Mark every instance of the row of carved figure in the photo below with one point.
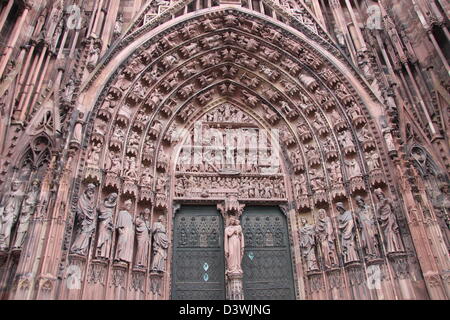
(335, 173)
(215, 158)
(248, 187)
(92, 220)
(318, 123)
(138, 63)
(373, 229)
(17, 208)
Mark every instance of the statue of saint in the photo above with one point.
(118, 25)
(234, 246)
(125, 240)
(9, 213)
(85, 220)
(308, 245)
(440, 198)
(388, 224)
(373, 161)
(28, 208)
(354, 170)
(365, 220)
(105, 226)
(142, 239)
(160, 246)
(69, 90)
(326, 237)
(347, 233)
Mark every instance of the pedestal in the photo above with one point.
(156, 280)
(235, 288)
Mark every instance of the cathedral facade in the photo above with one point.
(224, 149)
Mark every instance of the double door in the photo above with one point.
(199, 261)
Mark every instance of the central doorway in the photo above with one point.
(199, 259)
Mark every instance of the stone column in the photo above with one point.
(13, 38)
(359, 35)
(110, 22)
(5, 13)
(24, 107)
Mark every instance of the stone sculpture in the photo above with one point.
(160, 246)
(308, 245)
(142, 240)
(28, 208)
(347, 234)
(85, 220)
(125, 239)
(388, 223)
(106, 226)
(234, 246)
(367, 226)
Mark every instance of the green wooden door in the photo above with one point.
(198, 257)
(267, 263)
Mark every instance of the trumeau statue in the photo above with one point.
(325, 235)
(308, 245)
(347, 234)
(388, 223)
(125, 239)
(142, 239)
(28, 208)
(234, 246)
(367, 226)
(106, 226)
(160, 246)
(9, 213)
(85, 221)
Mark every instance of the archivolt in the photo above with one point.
(227, 53)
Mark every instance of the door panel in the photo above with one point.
(267, 263)
(198, 261)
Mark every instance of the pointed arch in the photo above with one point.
(168, 78)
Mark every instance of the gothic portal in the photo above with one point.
(261, 149)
